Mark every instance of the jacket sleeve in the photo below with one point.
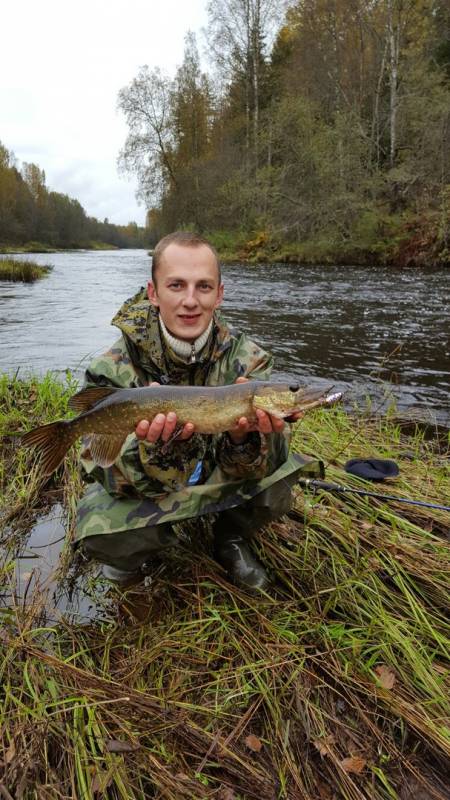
(260, 454)
(142, 468)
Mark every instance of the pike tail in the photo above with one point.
(51, 442)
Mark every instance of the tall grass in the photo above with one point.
(336, 685)
(22, 270)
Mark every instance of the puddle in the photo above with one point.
(39, 576)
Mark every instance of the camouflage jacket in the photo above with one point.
(145, 487)
(140, 356)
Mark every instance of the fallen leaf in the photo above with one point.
(100, 782)
(386, 676)
(117, 746)
(253, 743)
(353, 764)
(10, 753)
(324, 745)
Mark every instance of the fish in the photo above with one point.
(108, 415)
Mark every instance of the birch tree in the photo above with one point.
(149, 148)
(239, 33)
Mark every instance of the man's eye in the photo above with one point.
(174, 285)
(205, 286)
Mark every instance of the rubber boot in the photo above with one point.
(122, 577)
(233, 553)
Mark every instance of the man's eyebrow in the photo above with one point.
(169, 278)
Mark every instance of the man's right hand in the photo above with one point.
(163, 426)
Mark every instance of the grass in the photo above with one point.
(334, 686)
(28, 247)
(23, 270)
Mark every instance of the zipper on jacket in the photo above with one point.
(192, 358)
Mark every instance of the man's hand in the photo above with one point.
(163, 426)
(266, 423)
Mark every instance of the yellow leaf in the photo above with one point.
(386, 676)
(323, 745)
(10, 753)
(353, 764)
(253, 743)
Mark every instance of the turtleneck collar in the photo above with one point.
(188, 351)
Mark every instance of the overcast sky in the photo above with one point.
(62, 63)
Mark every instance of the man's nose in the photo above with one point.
(190, 297)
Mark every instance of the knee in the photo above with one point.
(128, 550)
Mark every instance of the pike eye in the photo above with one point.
(294, 387)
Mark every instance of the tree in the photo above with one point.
(149, 148)
(238, 32)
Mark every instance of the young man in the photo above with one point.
(172, 333)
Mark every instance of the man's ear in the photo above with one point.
(219, 296)
(152, 294)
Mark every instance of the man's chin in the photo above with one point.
(190, 330)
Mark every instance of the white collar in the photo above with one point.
(188, 351)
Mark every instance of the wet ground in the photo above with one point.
(39, 574)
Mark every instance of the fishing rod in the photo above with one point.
(315, 483)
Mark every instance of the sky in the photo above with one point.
(62, 63)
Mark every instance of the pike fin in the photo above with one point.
(88, 398)
(51, 442)
(105, 450)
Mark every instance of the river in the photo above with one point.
(380, 333)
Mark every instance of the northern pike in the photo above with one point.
(109, 415)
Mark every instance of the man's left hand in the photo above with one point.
(266, 423)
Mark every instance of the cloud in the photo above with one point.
(60, 84)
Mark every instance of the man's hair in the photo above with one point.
(184, 239)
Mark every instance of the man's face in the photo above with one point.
(186, 290)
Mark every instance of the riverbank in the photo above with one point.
(376, 240)
(334, 686)
(39, 247)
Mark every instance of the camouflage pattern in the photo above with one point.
(146, 487)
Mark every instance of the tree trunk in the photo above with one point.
(393, 38)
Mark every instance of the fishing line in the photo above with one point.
(358, 432)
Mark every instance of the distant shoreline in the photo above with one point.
(302, 254)
(40, 247)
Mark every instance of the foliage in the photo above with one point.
(31, 214)
(337, 115)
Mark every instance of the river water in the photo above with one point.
(377, 333)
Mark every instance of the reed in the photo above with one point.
(27, 271)
(336, 685)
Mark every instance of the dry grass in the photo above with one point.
(335, 686)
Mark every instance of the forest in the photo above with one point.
(318, 133)
(32, 215)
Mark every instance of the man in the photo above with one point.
(173, 333)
